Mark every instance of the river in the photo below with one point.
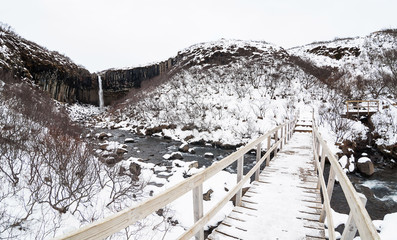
(380, 189)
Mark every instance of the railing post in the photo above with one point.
(347, 107)
(240, 163)
(330, 189)
(322, 164)
(323, 156)
(368, 108)
(315, 152)
(276, 140)
(198, 209)
(350, 230)
(258, 158)
(292, 128)
(281, 137)
(268, 147)
(286, 132)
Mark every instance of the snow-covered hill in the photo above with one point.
(226, 92)
(367, 64)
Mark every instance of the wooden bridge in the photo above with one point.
(289, 197)
(357, 108)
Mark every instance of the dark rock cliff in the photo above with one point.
(52, 71)
(62, 78)
(117, 82)
(337, 52)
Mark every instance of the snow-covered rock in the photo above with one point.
(365, 165)
(129, 140)
(184, 147)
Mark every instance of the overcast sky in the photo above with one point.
(102, 34)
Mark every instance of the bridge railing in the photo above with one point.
(118, 221)
(359, 218)
(362, 107)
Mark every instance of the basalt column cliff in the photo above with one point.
(117, 82)
(64, 80)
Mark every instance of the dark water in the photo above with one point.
(152, 149)
(380, 189)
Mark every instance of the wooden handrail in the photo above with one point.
(359, 216)
(118, 221)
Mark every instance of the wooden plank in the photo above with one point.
(313, 224)
(246, 211)
(217, 235)
(230, 230)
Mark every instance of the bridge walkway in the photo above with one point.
(284, 203)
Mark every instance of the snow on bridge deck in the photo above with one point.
(284, 204)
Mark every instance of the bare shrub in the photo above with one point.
(331, 114)
(43, 160)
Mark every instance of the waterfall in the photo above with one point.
(100, 93)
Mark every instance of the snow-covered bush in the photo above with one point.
(385, 124)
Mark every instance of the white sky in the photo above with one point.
(101, 34)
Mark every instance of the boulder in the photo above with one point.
(176, 155)
(193, 164)
(192, 151)
(208, 155)
(121, 150)
(129, 140)
(184, 147)
(102, 136)
(110, 160)
(188, 138)
(207, 195)
(135, 169)
(365, 166)
(103, 146)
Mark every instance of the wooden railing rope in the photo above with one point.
(359, 218)
(118, 221)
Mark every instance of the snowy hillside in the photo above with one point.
(231, 92)
(367, 64)
(228, 92)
